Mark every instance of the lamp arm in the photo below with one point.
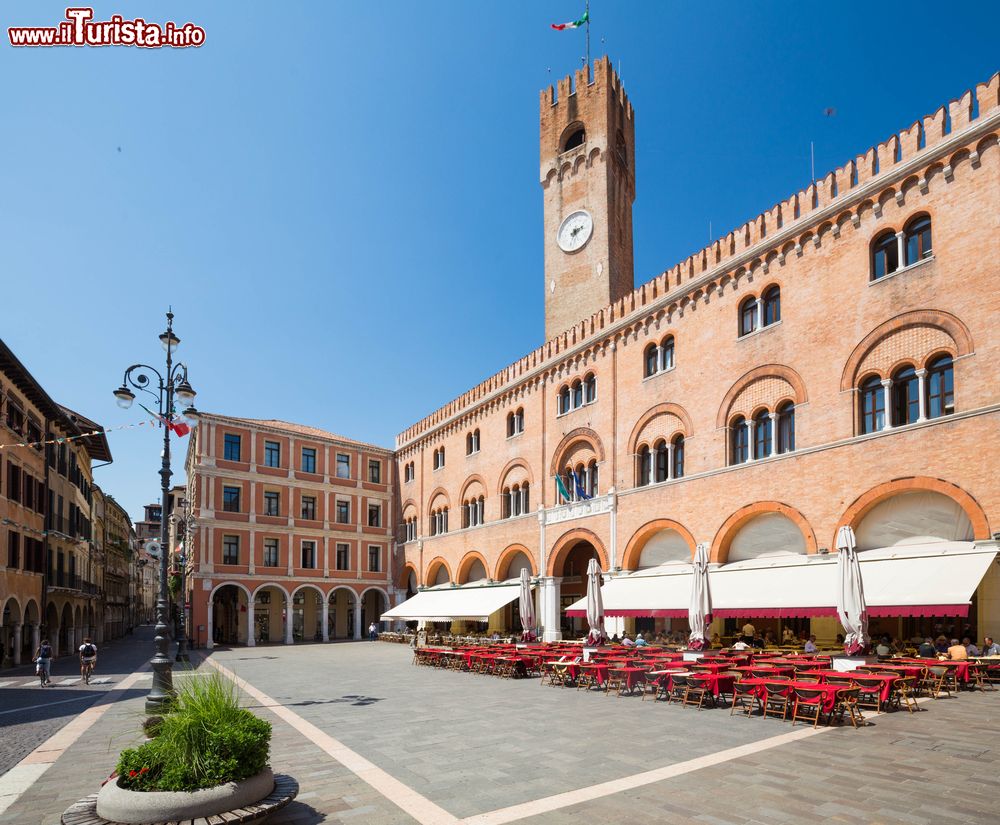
(141, 381)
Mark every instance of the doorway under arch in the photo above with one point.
(270, 614)
(341, 621)
(307, 614)
(229, 609)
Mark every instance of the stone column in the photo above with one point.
(772, 418)
(759, 313)
(251, 623)
(326, 613)
(357, 618)
(749, 426)
(36, 637)
(17, 643)
(921, 395)
(551, 631)
(70, 641)
(887, 402)
(670, 461)
(209, 625)
(901, 249)
(289, 622)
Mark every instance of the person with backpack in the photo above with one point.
(43, 662)
(88, 658)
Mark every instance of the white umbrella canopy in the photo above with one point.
(595, 605)
(851, 607)
(526, 607)
(700, 608)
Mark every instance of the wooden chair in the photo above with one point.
(678, 687)
(698, 689)
(978, 675)
(779, 696)
(808, 705)
(903, 694)
(745, 696)
(615, 681)
(869, 692)
(936, 681)
(847, 703)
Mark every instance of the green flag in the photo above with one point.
(562, 488)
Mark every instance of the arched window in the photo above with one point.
(525, 501)
(667, 353)
(660, 448)
(651, 355)
(590, 389)
(786, 427)
(748, 315)
(772, 305)
(576, 138)
(917, 239)
(515, 422)
(905, 397)
(577, 393)
(740, 449)
(564, 399)
(885, 255)
(645, 466)
(505, 503)
(940, 387)
(761, 435)
(678, 457)
(591, 482)
(872, 405)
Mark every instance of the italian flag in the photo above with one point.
(559, 27)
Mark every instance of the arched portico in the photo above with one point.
(10, 633)
(512, 559)
(662, 531)
(374, 602)
(731, 528)
(228, 604)
(308, 621)
(343, 614)
(271, 615)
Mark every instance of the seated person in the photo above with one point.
(970, 647)
(927, 649)
(758, 643)
(716, 642)
(787, 636)
(990, 648)
(627, 642)
(941, 644)
(811, 645)
(770, 639)
(882, 649)
(957, 651)
(615, 640)
(639, 641)
(740, 645)
(840, 639)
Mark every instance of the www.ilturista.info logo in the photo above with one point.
(80, 29)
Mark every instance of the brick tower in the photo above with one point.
(588, 183)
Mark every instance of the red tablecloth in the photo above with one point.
(633, 676)
(599, 670)
(884, 691)
(710, 667)
(769, 670)
(910, 671)
(961, 667)
(829, 700)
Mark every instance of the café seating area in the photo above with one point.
(797, 688)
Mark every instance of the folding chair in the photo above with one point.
(678, 687)
(870, 692)
(808, 705)
(698, 688)
(778, 697)
(978, 674)
(902, 694)
(847, 702)
(745, 696)
(936, 681)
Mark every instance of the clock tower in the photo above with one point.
(588, 185)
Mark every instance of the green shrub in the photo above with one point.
(204, 739)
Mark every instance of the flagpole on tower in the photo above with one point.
(588, 38)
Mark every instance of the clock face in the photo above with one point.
(575, 231)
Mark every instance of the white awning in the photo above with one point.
(934, 579)
(444, 603)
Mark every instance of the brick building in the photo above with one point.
(294, 532)
(831, 362)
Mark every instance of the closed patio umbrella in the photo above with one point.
(595, 604)
(851, 607)
(526, 607)
(700, 608)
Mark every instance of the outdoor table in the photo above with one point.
(769, 669)
(710, 667)
(716, 682)
(634, 676)
(887, 681)
(909, 671)
(599, 671)
(829, 700)
(961, 667)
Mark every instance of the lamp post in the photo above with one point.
(184, 524)
(173, 382)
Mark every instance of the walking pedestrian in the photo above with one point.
(373, 632)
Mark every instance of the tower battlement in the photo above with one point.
(580, 83)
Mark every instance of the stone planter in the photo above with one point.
(117, 804)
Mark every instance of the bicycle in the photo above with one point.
(86, 669)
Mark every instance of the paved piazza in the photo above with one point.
(373, 739)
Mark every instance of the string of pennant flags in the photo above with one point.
(174, 425)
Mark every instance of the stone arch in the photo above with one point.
(349, 590)
(570, 440)
(438, 498)
(465, 565)
(859, 508)
(503, 563)
(724, 537)
(404, 575)
(432, 568)
(667, 408)
(633, 550)
(407, 504)
(31, 612)
(567, 541)
(16, 613)
(238, 585)
(275, 585)
(309, 586)
(509, 467)
(936, 319)
(475, 478)
(787, 374)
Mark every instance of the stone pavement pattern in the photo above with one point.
(473, 744)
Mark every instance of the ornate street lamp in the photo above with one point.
(173, 382)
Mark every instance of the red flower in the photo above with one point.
(132, 774)
(143, 770)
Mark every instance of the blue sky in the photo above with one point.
(341, 200)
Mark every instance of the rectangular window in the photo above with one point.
(308, 555)
(13, 482)
(272, 454)
(374, 557)
(309, 508)
(272, 503)
(308, 459)
(343, 556)
(14, 550)
(343, 512)
(374, 515)
(231, 499)
(343, 466)
(231, 447)
(270, 552)
(375, 472)
(230, 549)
